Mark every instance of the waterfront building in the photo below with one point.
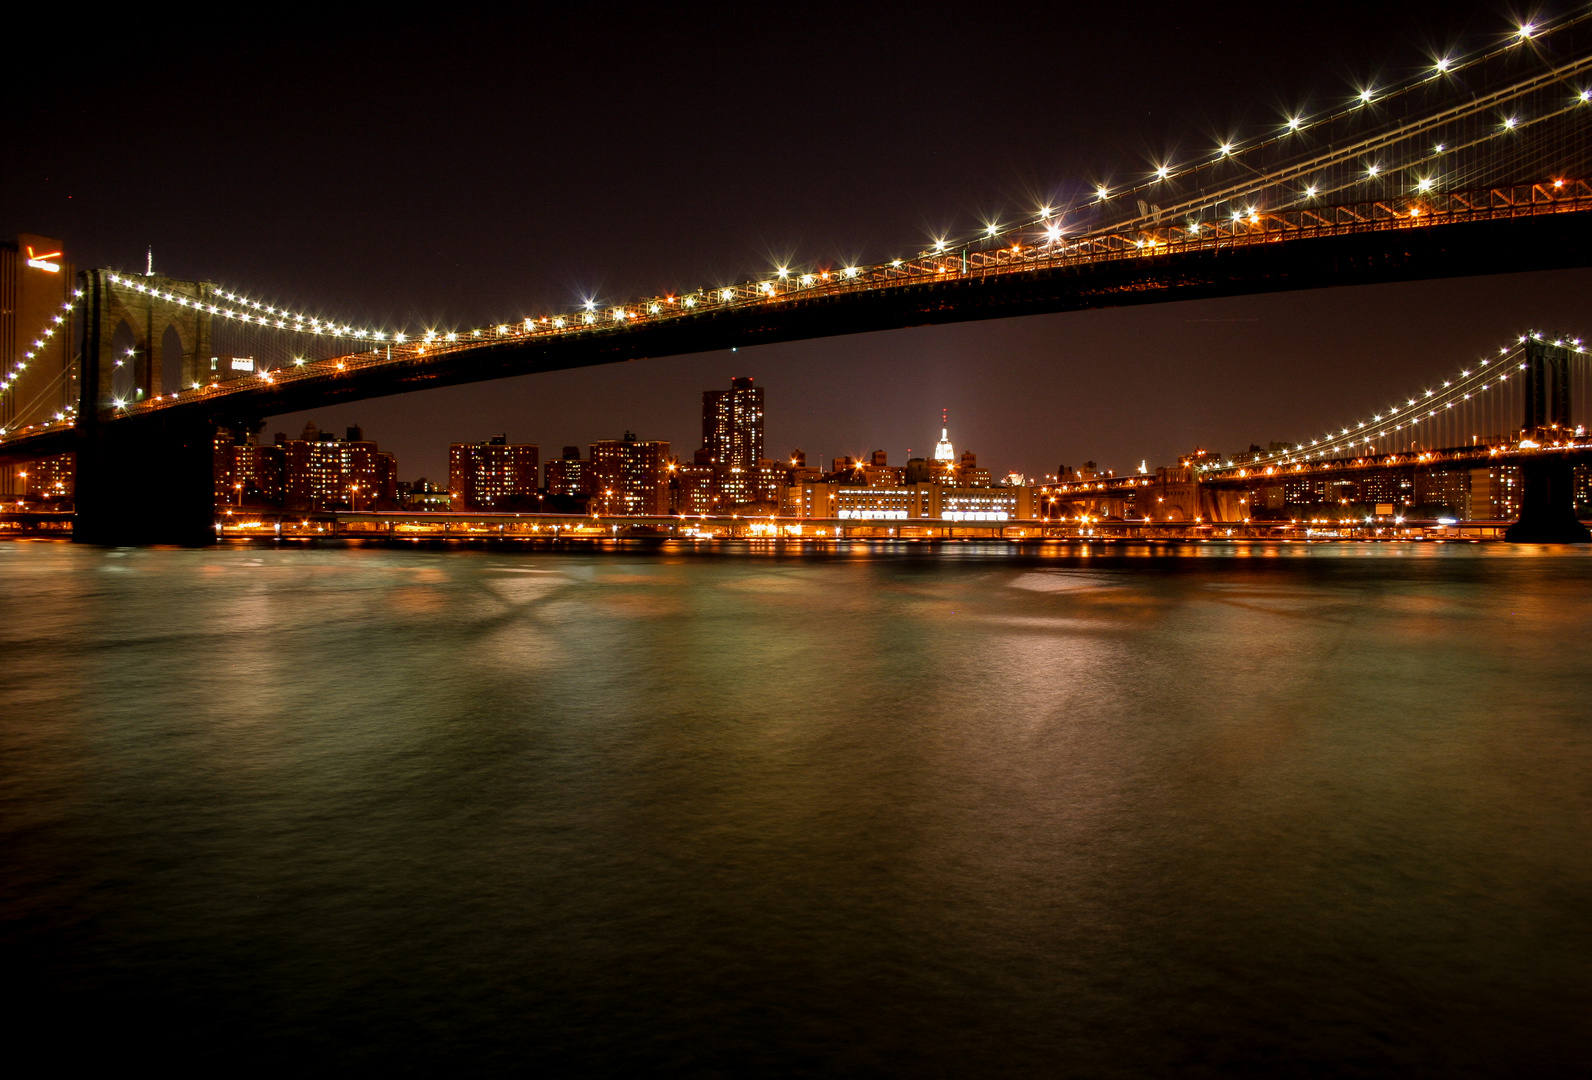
(732, 425)
(329, 473)
(692, 486)
(934, 502)
(630, 476)
(493, 475)
(568, 474)
(422, 494)
(812, 499)
(44, 478)
(986, 504)
(1494, 494)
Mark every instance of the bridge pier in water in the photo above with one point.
(1547, 504)
(143, 479)
(146, 483)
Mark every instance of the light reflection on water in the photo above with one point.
(946, 811)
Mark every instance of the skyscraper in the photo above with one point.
(732, 425)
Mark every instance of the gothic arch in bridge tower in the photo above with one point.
(123, 378)
(174, 361)
(160, 363)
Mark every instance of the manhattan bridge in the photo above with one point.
(1478, 163)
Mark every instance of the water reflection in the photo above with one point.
(1107, 810)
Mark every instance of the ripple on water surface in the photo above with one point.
(930, 811)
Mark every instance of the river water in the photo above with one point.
(1208, 809)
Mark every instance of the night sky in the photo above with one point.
(457, 169)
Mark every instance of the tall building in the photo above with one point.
(493, 475)
(630, 476)
(37, 336)
(567, 475)
(732, 425)
(329, 472)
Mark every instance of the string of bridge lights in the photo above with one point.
(1490, 374)
(55, 323)
(1296, 125)
(249, 311)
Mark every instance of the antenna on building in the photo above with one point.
(149, 261)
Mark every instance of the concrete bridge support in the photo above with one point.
(140, 480)
(1547, 506)
(146, 483)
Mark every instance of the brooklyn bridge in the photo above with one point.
(1478, 165)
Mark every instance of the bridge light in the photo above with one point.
(1425, 184)
(1586, 95)
(1053, 233)
(1163, 171)
(727, 294)
(1365, 96)
(1102, 193)
(1509, 123)
(895, 262)
(1225, 149)
(1443, 65)
(1373, 170)
(1526, 30)
(1294, 122)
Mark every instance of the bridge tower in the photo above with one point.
(1547, 507)
(144, 479)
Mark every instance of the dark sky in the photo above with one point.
(460, 167)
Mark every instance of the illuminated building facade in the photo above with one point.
(812, 499)
(692, 486)
(933, 502)
(629, 476)
(732, 425)
(36, 284)
(493, 475)
(568, 474)
(329, 472)
(1494, 494)
(44, 478)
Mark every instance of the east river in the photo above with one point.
(1188, 810)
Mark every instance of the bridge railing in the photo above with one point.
(1417, 211)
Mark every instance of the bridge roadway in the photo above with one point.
(1541, 226)
(123, 453)
(1547, 509)
(1575, 451)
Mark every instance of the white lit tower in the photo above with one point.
(944, 456)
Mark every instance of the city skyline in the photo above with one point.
(518, 230)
